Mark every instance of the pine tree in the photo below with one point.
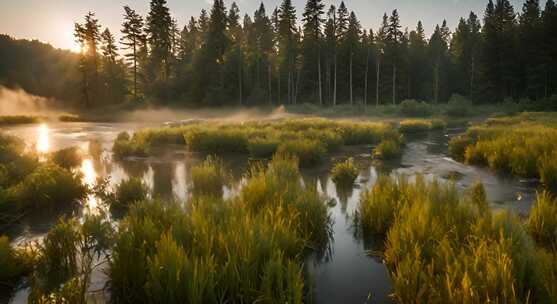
(159, 37)
(132, 38)
(352, 42)
(549, 18)
(311, 69)
(380, 45)
(113, 71)
(88, 36)
(417, 50)
(530, 52)
(438, 52)
(234, 56)
(393, 43)
(287, 45)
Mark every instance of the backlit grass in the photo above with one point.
(345, 173)
(443, 246)
(67, 158)
(247, 249)
(308, 139)
(208, 178)
(522, 145)
(18, 120)
(388, 149)
(417, 126)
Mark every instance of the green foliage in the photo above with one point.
(308, 139)
(413, 108)
(208, 178)
(18, 120)
(441, 246)
(14, 263)
(345, 173)
(459, 106)
(67, 158)
(247, 249)
(50, 186)
(416, 126)
(542, 222)
(521, 145)
(388, 149)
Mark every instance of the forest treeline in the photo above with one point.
(326, 58)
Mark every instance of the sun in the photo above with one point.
(70, 42)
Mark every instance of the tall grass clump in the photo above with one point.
(249, 248)
(345, 173)
(388, 149)
(309, 139)
(417, 126)
(209, 177)
(18, 120)
(14, 262)
(413, 108)
(67, 158)
(124, 194)
(442, 246)
(542, 222)
(522, 145)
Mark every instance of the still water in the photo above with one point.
(348, 274)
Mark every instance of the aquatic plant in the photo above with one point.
(246, 249)
(209, 177)
(67, 158)
(345, 173)
(521, 145)
(217, 141)
(50, 186)
(444, 246)
(308, 152)
(416, 126)
(125, 146)
(542, 222)
(388, 149)
(262, 147)
(413, 108)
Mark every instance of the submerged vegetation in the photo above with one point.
(446, 247)
(307, 139)
(345, 173)
(522, 145)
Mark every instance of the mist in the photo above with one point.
(19, 102)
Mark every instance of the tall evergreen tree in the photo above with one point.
(531, 55)
(159, 37)
(132, 39)
(331, 54)
(88, 36)
(549, 19)
(287, 46)
(313, 21)
(393, 50)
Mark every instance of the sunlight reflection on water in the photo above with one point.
(89, 179)
(43, 140)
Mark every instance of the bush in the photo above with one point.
(125, 146)
(387, 150)
(413, 108)
(458, 146)
(208, 178)
(308, 152)
(14, 263)
(414, 126)
(50, 186)
(542, 222)
(345, 173)
(547, 166)
(459, 106)
(67, 158)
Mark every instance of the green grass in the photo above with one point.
(209, 178)
(309, 139)
(67, 158)
(388, 149)
(443, 246)
(247, 249)
(345, 173)
(542, 222)
(522, 145)
(417, 126)
(18, 120)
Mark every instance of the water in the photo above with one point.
(349, 274)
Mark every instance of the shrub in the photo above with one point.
(67, 158)
(345, 173)
(542, 222)
(18, 119)
(414, 126)
(308, 152)
(125, 146)
(262, 147)
(14, 263)
(387, 150)
(413, 108)
(131, 191)
(50, 186)
(459, 106)
(217, 141)
(458, 146)
(547, 167)
(208, 178)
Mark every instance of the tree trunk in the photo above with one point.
(377, 85)
(436, 83)
(240, 76)
(134, 70)
(351, 88)
(366, 78)
(335, 81)
(270, 84)
(472, 74)
(319, 76)
(394, 84)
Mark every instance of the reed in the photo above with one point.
(345, 173)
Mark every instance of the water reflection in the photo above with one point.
(43, 140)
(89, 178)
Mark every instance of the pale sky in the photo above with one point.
(52, 20)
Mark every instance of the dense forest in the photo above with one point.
(326, 58)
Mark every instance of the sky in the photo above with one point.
(53, 21)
